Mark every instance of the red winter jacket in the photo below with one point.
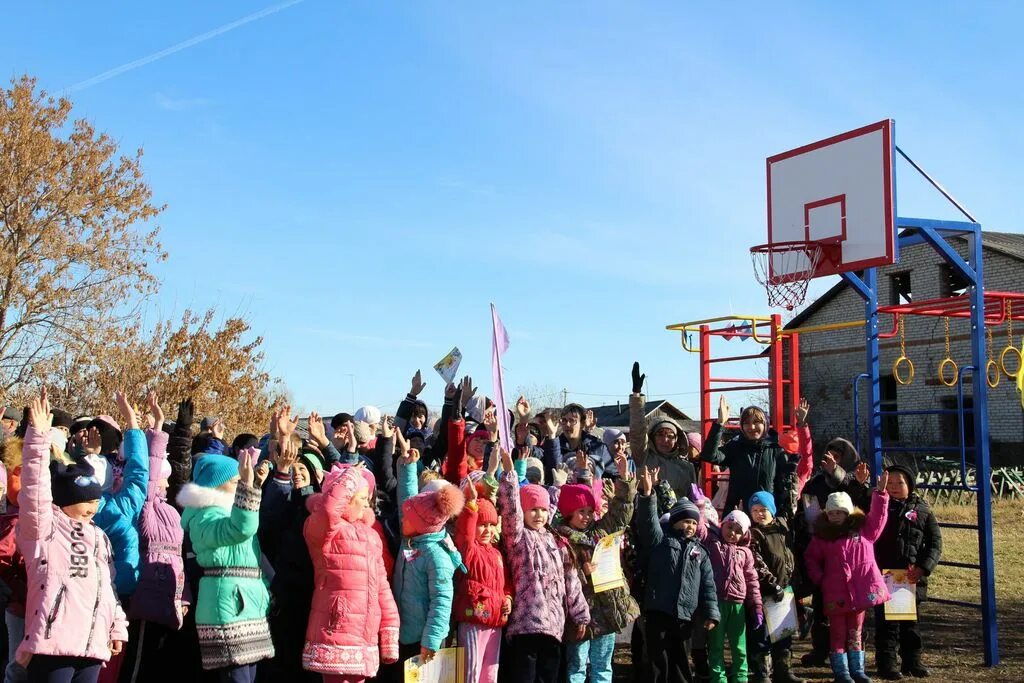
(480, 592)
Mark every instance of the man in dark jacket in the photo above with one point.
(574, 439)
(911, 540)
(662, 444)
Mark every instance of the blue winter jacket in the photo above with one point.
(118, 513)
(423, 581)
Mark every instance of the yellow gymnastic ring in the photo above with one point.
(1002, 361)
(942, 372)
(896, 370)
(989, 368)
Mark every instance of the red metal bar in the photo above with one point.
(752, 356)
(741, 387)
(705, 402)
(775, 373)
(794, 378)
(737, 380)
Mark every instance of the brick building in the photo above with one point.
(830, 360)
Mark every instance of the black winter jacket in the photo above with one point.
(753, 466)
(911, 537)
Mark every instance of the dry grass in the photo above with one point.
(952, 634)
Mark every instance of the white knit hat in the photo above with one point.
(839, 501)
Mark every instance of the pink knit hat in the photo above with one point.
(534, 496)
(430, 510)
(573, 497)
(695, 440)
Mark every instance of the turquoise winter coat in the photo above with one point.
(231, 613)
(424, 578)
(118, 513)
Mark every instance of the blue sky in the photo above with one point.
(361, 179)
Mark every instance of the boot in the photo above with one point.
(815, 658)
(840, 667)
(701, 671)
(856, 661)
(885, 662)
(782, 670)
(912, 665)
(758, 668)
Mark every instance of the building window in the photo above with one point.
(899, 288)
(951, 425)
(890, 423)
(951, 283)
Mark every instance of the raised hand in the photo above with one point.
(645, 481)
(261, 474)
(801, 412)
(560, 475)
(638, 379)
(219, 428)
(828, 462)
(550, 425)
(589, 421)
(93, 441)
(39, 415)
(387, 427)
(316, 428)
(286, 454)
(522, 408)
(491, 422)
(245, 470)
(622, 465)
(523, 452)
(127, 412)
(883, 481)
(401, 447)
(418, 385)
(468, 390)
(186, 411)
(862, 473)
(723, 410)
(449, 391)
(471, 490)
(153, 405)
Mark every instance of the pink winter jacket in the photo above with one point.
(353, 621)
(842, 559)
(71, 609)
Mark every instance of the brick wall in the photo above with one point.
(830, 360)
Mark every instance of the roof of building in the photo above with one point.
(1007, 243)
(617, 415)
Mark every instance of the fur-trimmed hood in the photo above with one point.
(196, 496)
(12, 452)
(827, 531)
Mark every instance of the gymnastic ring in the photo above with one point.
(1002, 361)
(942, 372)
(989, 367)
(905, 381)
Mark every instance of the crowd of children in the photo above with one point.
(140, 552)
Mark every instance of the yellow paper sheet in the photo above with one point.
(606, 573)
(903, 604)
(447, 666)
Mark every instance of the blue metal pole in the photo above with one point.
(981, 454)
(873, 370)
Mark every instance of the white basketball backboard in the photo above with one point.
(841, 191)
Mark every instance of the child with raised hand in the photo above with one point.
(548, 594)
(613, 610)
(679, 584)
(910, 540)
(425, 572)
(738, 593)
(221, 517)
(841, 560)
(353, 623)
(73, 621)
(483, 595)
(772, 543)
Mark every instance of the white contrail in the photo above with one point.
(202, 38)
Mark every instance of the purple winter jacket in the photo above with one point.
(162, 590)
(733, 566)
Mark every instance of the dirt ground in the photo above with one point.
(952, 635)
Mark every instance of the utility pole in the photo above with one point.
(565, 397)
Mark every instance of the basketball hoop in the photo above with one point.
(785, 269)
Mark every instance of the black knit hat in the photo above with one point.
(906, 466)
(75, 483)
(340, 419)
(62, 418)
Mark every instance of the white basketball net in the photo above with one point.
(785, 269)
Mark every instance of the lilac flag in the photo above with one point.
(499, 345)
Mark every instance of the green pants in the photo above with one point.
(734, 626)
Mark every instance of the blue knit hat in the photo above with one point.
(212, 470)
(762, 498)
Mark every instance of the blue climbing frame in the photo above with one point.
(934, 233)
